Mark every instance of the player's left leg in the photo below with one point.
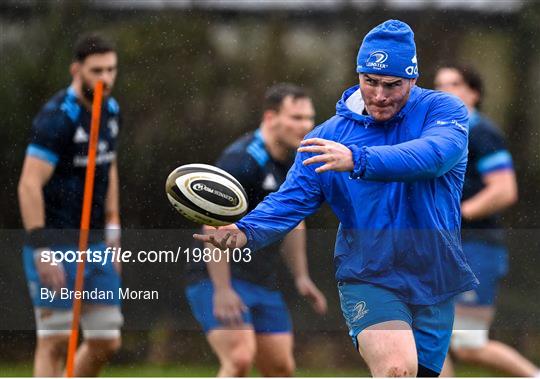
(101, 329)
(101, 322)
(273, 328)
(275, 354)
(475, 311)
(501, 357)
(388, 349)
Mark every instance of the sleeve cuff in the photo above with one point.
(246, 230)
(359, 160)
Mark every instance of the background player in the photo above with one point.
(391, 165)
(50, 198)
(241, 309)
(490, 187)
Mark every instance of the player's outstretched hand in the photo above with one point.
(335, 156)
(228, 307)
(223, 237)
(309, 290)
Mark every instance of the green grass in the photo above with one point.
(179, 370)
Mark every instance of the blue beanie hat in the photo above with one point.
(389, 49)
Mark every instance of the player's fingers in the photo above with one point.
(320, 303)
(231, 243)
(236, 315)
(318, 159)
(222, 240)
(202, 237)
(312, 149)
(324, 168)
(314, 141)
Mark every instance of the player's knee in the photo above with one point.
(240, 361)
(283, 368)
(52, 347)
(104, 348)
(467, 354)
(399, 368)
(287, 369)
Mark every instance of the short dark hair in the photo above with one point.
(91, 43)
(274, 96)
(471, 77)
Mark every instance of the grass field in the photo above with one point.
(169, 370)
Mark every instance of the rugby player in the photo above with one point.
(490, 187)
(50, 197)
(391, 164)
(240, 307)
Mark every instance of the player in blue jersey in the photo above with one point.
(240, 307)
(391, 164)
(50, 198)
(490, 188)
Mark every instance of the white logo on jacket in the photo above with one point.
(360, 310)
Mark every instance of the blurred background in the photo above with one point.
(191, 80)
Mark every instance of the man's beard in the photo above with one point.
(88, 91)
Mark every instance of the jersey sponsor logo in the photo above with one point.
(360, 310)
(80, 135)
(101, 158)
(376, 60)
(270, 183)
(412, 70)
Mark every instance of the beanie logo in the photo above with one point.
(376, 60)
(412, 70)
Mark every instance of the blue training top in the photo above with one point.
(487, 154)
(399, 210)
(60, 135)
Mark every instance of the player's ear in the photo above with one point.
(269, 116)
(74, 68)
(475, 98)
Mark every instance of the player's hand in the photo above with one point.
(335, 156)
(309, 290)
(228, 307)
(51, 276)
(223, 237)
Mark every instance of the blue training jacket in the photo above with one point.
(399, 210)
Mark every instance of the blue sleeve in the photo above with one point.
(49, 135)
(490, 149)
(442, 144)
(297, 198)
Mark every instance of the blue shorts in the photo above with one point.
(364, 305)
(267, 311)
(97, 278)
(489, 263)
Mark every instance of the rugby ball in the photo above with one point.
(206, 194)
